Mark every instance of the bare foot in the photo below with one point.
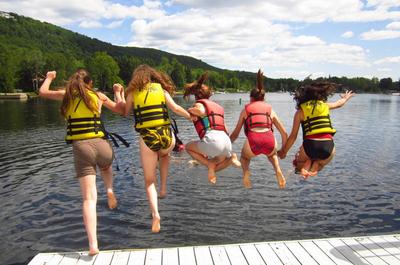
(156, 226)
(112, 201)
(281, 180)
(212, 178)
(246, 180)
(235, 160)
(163, 194)
(93, 249)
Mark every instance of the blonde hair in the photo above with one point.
(144, 74)
(78, 85)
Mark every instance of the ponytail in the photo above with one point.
(197, 88)
(258, 93)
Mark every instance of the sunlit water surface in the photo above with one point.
(357, 194)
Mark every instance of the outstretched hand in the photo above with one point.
(347, 94)
(51, 75)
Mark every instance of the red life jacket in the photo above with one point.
(214, 119)
(258, 116)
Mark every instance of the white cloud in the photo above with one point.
(393, 25)
(388, 60)
(78, 12)
(115, 24)
(380, 34)
(240, 42)
(348, 34)
(90, 24)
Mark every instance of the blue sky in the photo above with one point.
(285, 38)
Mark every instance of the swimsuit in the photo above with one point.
(157, 138)
(261, 142)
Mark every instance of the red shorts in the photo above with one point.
(261, 142)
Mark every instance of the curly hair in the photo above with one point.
(78, 85)
(144, 74)
(198, 89)
(313, 91)
(258, 93)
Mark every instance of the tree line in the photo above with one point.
(29, 48)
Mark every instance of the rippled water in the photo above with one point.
(357, 194)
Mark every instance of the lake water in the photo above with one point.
(357, 194)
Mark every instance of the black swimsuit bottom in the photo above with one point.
(318, 150)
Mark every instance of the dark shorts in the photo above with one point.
(157, 138)
(90, 153)
(318, 149)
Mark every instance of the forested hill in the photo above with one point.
(28, 48)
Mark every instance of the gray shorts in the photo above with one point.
(215, 143)
(91, 153)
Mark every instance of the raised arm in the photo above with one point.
(293, 134)
(343, 99)
(175, 107)
(234, 135)
(45, 91)
(278, 124)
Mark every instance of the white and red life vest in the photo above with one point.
(258, 116)
(214, 119)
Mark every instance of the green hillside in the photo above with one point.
(29, 48)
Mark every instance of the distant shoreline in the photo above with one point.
(20, 96)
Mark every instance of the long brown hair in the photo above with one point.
(144, 74)
(78, 85)
(313, 91)
(198, 88)
(258, 93)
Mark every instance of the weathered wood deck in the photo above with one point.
(374, 250)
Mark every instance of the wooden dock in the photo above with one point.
(368, 250)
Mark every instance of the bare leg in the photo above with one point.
(245, 158)
(164, 157)
(149, 163)
(107, 174)
(278, 172)
(89, 196)
(195, 153)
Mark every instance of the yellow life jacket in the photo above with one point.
(83, 123)
(150, 108)
(316, 118)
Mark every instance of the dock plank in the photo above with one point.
(120, 257)
(103, 258)
(316, 253)
(235, 255)
(186, 256)
(251, 254)
(137, 257)
(219, 255)
(332, 252)
(203, 255)
(363, 252)
(300, 253)
(366, 250)
(268, 254)
(170, 256)
(154, 256)
(378, 251)
(41, 259)
(284, 253)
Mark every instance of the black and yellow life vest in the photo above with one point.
(83, 123)
(316, 118)
(150, 108)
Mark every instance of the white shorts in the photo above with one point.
(215, 143)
